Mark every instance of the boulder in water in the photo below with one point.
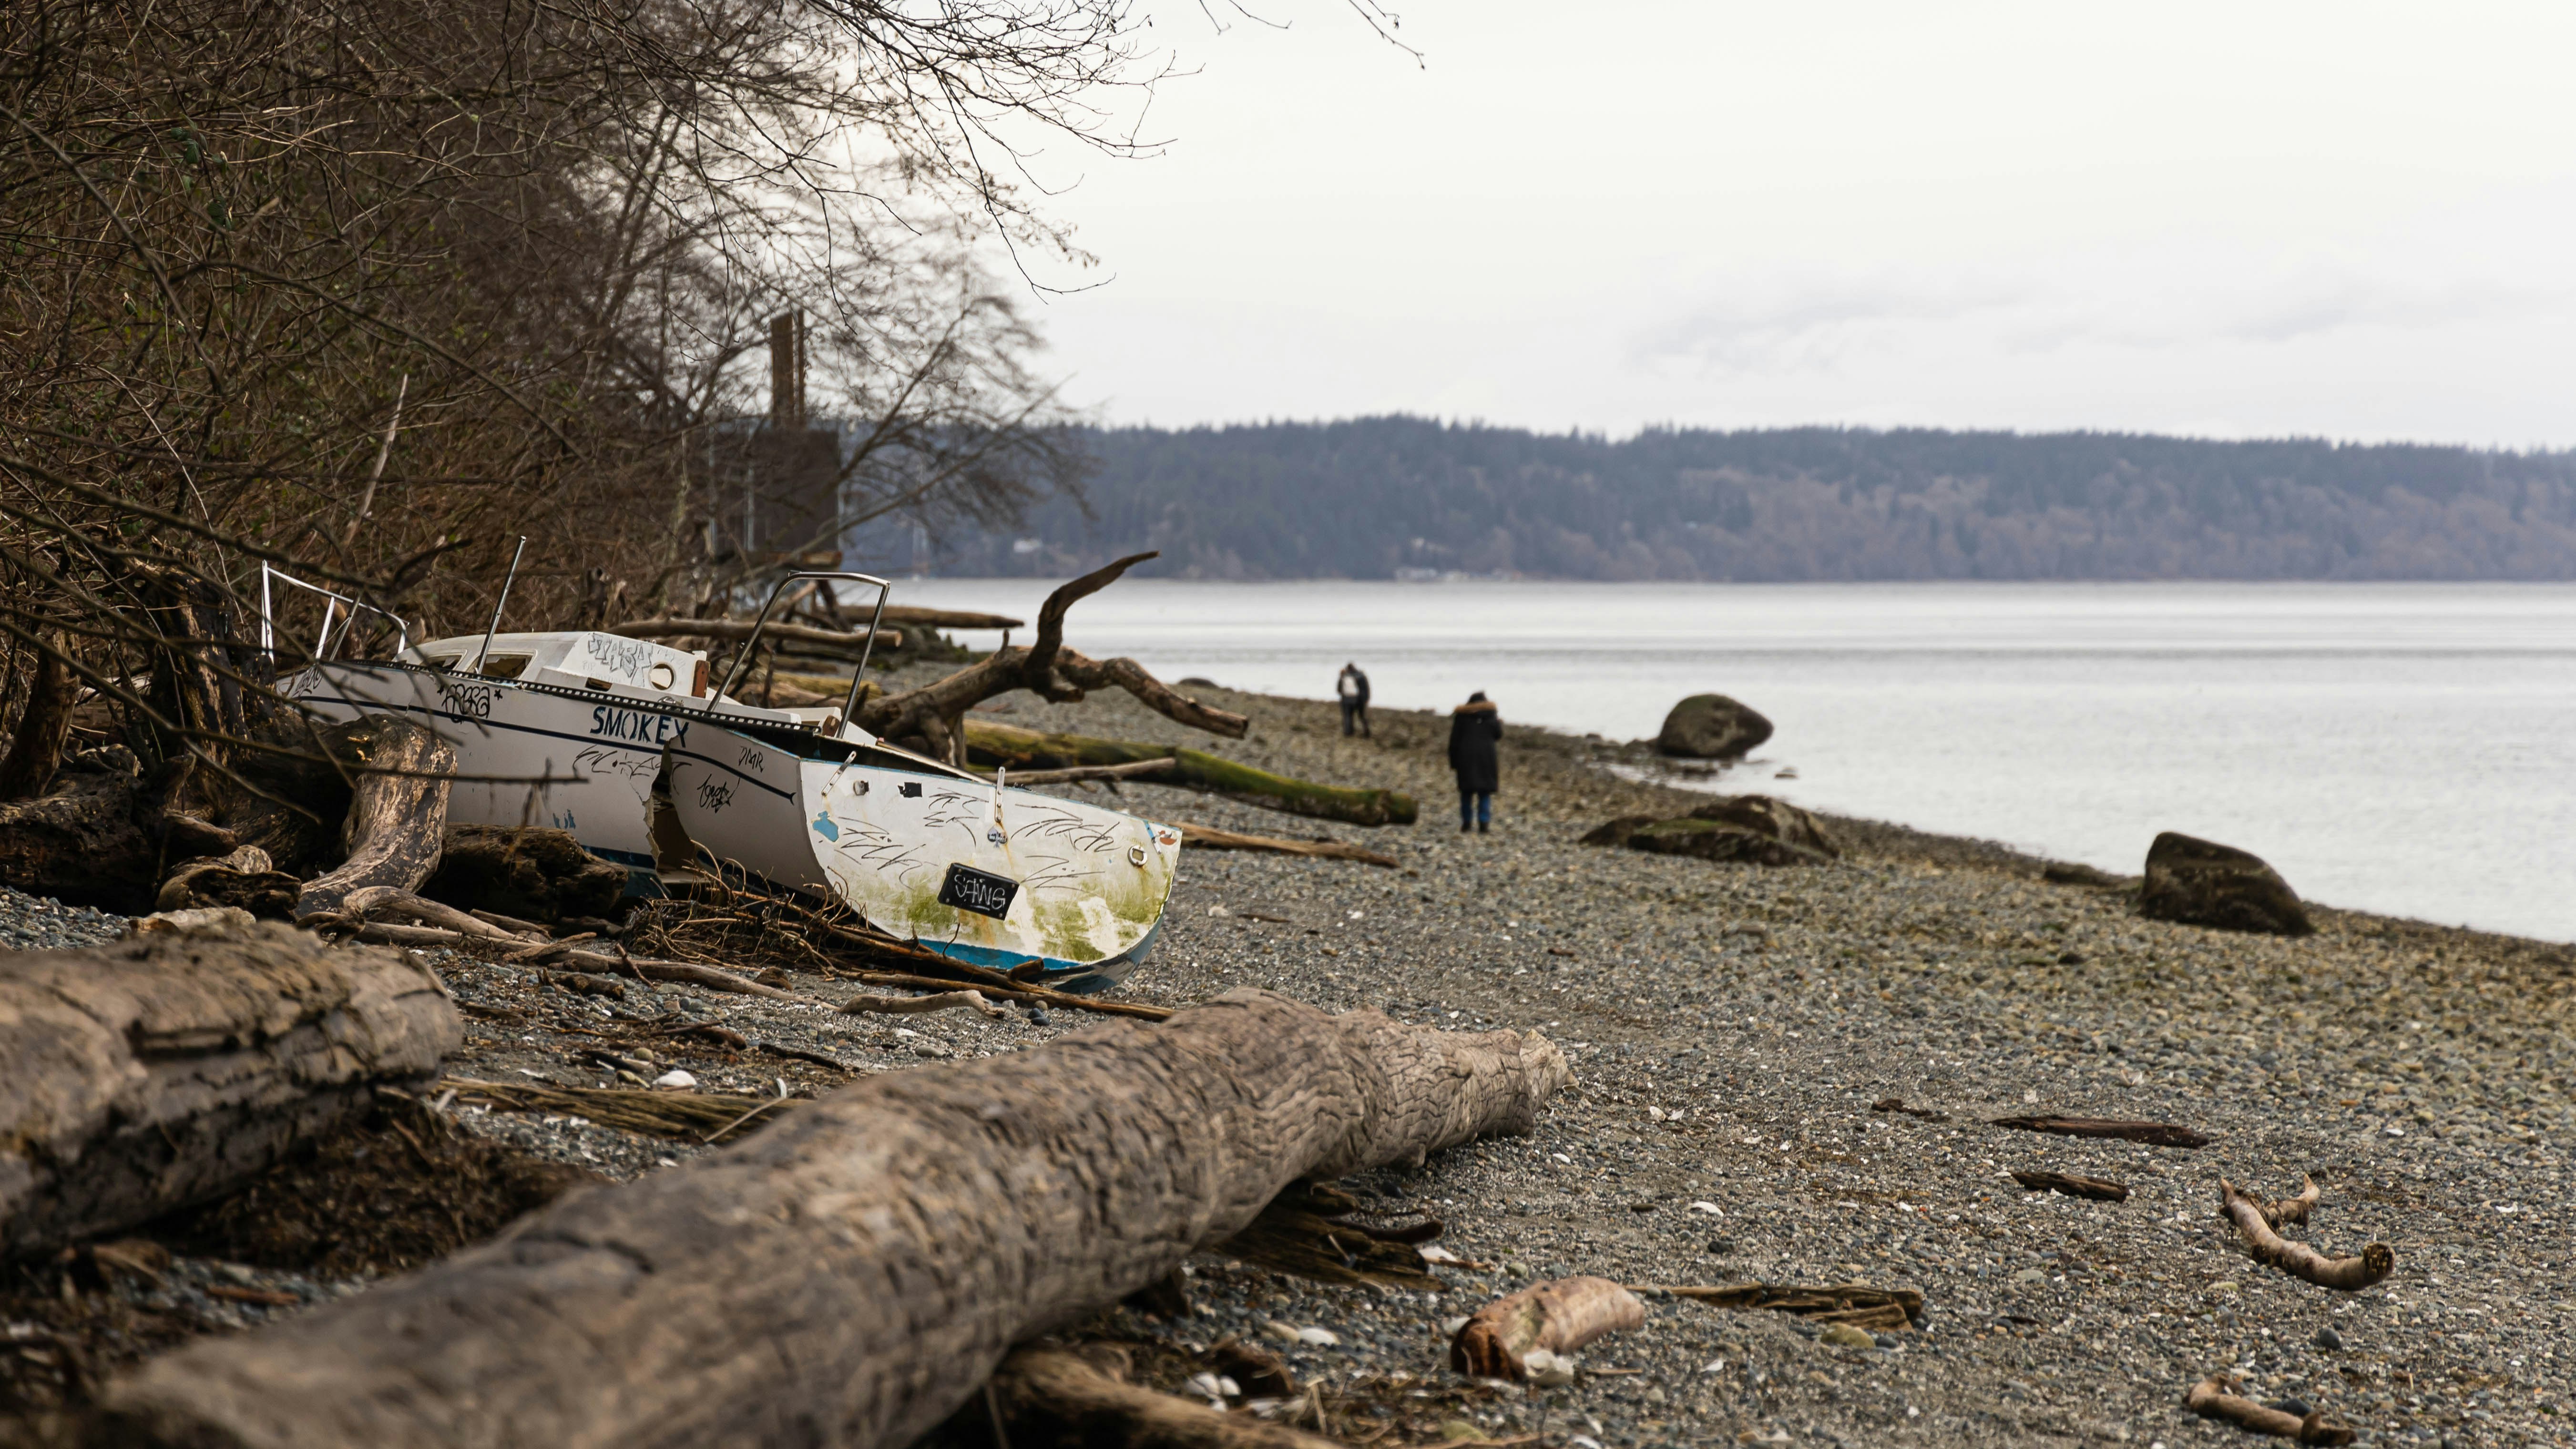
(2203, 883)
(1763, 815)
(1711, 727)
(1711, 840)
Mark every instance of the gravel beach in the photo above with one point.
(1732, 1028)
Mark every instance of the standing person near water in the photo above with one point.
(1475, 733)
(1352, 686)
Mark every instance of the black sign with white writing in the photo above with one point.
(982, 892)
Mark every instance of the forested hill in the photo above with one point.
(1373, 497)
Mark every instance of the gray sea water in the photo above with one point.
(2407, 749)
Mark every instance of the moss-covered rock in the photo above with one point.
(1713, 840)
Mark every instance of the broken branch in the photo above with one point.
(2100, 1189)
(911, 1005)
(1050, 1399)
(2154, 1134)
(2210, 1400)
(2264, 1246)
(1561, 1315)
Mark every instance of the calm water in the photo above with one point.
(2409, 749)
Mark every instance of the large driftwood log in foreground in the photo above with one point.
(169, 1068)
(2210, 1400)
(397, 816)
(2253, 1219)
(1561, 1315)
(854, 1273)
(1050, 1399)
(1027, 749)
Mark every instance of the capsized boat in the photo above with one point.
(966, 866)
(574, 729)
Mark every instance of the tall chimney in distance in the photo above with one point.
(787, 370)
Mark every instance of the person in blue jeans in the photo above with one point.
(1475, 738)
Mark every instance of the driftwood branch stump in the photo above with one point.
(853, 1274)
(397, 815)
(172, 1067)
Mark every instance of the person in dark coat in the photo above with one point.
(1475, 734)
(1352, 686)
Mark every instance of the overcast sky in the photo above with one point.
(2249, 219)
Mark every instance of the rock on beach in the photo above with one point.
(2202, 883)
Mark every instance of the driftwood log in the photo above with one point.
(991, 744)
(171, 1067)
(2210, 1399)
(2099, 1189)
(397, 816)
(856, 1272)
(1208, 837)
(2154, 1134)
(535, 873)
(82, 841)
(1050, 1399)
(2253, 1219)
(1890, 1309)
(1560, 1316)
(832, 643)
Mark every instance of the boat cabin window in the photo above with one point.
(443, 663)
(505, 666)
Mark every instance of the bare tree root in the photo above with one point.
(2210, 1400)
(2293, 1209)
(1561, 1315)
(2252, 1218)
(912, 1005)
(397, 817)
(935, 713)
(1049, 1399)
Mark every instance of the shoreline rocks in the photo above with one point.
(1711, 727)
(2202, 883)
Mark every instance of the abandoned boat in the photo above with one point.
(622, 742)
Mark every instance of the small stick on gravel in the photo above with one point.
(2100, 1189)
(1049, 1399)
(2293, 1209)
(1208, 837)
(910, 1005)
(1033, 995)
(2210, 1400)
(1560, 1315)
(2154, 1134)
(1897, 1104)
(1890, 1309)
(2344, 1275)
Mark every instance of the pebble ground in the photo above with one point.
(1731, 1028)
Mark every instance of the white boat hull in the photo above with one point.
(882, 832)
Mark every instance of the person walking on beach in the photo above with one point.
(1475, 734)
(1352, 686)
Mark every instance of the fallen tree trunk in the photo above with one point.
(1027, 749)
(1208, 837)
(397, 816)
(1049, 1399)
(173, 1067)
(2253, 1219)
(80, 841)
(854, 1273)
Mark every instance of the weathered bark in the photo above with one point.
(1560, 1315)
(2100, 1189)
(2154, 1134)
(36, 746)
(242, 878)
(169, 1068)
(1208, 837)
(80, 842)
(540, 874)
(2210, 1400)
(397, 817)
(855, 1272)
(1050, 1399)
(1001, 744)
(2252, 1217)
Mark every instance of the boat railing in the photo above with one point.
(337, 608)
(858, 675)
